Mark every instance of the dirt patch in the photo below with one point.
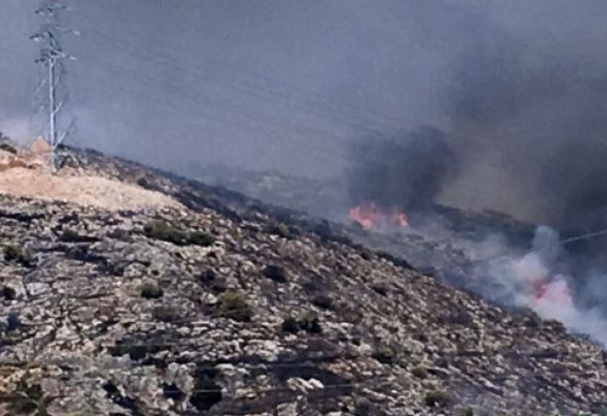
(80, 189)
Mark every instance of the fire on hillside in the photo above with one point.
(371, 216)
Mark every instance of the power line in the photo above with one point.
(569, 240)
(313, 100)
(583, 237)
(199, 75)
(267, 128)
(198, 99)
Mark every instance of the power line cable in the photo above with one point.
(285, 135)
(199, 75)
(315, 99)
(194, 95)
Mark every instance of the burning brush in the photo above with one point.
(371, 216)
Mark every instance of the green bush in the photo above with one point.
(280, 230)
(323, 301)
(160, 230)
(16, 254)
(151, 291)
(310, 322)
(7, 147)
(307, 321)
(380, 288)
(275, 273)
(437, 398)
(71, 236)
(198, 238)
(233, 305)
(384, 354)
(420, 372)
(466, 412)
(25, 400)
(167, 313)
(290, 325)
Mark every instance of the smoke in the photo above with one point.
(543, 114)
(539, 280)
(405, 171)
(17, 129)
(523, 102)
(524, 132)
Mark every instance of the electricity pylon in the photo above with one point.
(52, 58)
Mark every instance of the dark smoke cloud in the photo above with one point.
(544, 114)
(525, 98)
(404, 172)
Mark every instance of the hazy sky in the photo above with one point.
(286, 84)
(261, 82)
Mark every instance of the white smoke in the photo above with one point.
(533, 280)
(18, 129)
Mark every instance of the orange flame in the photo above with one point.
(369, 216)
(552, 291)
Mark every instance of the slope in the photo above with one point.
(221, 305)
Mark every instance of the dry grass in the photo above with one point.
(83, 190)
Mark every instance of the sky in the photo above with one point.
(289, 85)
(279, 83)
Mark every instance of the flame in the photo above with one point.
(554, 292)
(370, 216)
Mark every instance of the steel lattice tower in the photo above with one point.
(52, 58)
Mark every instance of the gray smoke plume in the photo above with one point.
(539, 280)
(404, 172)
(530, 110)
(544, 114)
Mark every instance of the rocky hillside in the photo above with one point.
(220, 305)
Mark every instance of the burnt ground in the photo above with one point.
(234, 307)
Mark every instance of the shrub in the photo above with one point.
(384, 354)
(363, 407)
(233, 305)
(151, 291)
(207, 277)
(466, 412)
(307, 321)
(16, 254)
(171, 391)
(167, 313)
(365, 253)
(275, 273)
(198, 238)
(136, 349)
(420, 372)
(207, 393)
(7, 147)
(310, 322)
(8, 293)
(290, 325)
(71, 236)
(160, 230)
(323, 301)
(280, 230)
(380, 288)
(437, 398)
(12, 322)
(26, 400)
